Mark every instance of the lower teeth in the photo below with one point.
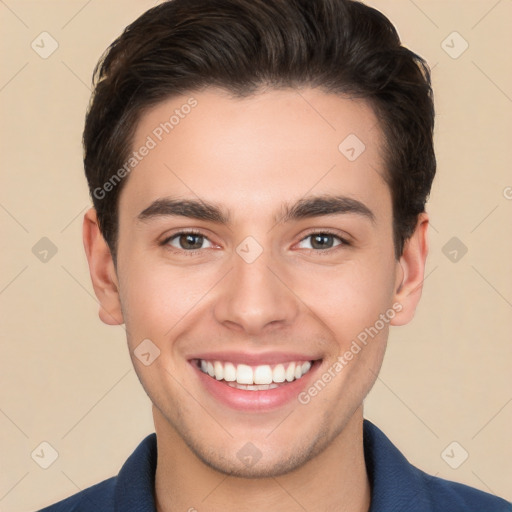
(252, 387)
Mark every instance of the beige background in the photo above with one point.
(68, 380)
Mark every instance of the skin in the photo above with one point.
(251, 156)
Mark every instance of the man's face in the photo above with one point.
(260, 283)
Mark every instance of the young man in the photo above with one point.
(259, 171)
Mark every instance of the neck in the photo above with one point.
(335, 480)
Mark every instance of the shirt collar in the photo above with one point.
(136, 481)
(395, 484)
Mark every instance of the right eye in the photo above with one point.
(187, 241)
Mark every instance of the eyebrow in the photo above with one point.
(325, 205)
(193, 209)
(304, 208)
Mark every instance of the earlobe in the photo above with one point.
(102, 270)
(411, 271)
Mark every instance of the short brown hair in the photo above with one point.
(340, 46)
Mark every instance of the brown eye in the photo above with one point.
(188, 241)
(321, 241)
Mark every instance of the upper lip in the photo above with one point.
(255, 359)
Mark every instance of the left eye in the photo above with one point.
(320, 241)
(188, 241)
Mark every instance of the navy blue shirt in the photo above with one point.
(396, 485)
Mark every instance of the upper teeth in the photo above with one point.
(263, 374)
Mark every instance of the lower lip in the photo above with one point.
(262, 400)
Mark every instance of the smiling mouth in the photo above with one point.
(254, 378)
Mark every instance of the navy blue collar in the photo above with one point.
(396, 485)
(135, 483)
(392, 478)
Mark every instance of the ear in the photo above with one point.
(102, 270)
(411, 271)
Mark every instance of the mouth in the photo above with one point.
(254, 387)
(254, 378)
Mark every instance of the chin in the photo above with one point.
(250, 463)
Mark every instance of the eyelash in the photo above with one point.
(343, 241)
(193, 252)
(165, 242)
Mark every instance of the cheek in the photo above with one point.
(156, 297)
(349, 297)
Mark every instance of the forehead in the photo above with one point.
(253, 152)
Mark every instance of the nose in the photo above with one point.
(256, 296)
